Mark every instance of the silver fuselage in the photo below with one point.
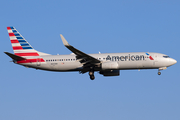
(134, 60)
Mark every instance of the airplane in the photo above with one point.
(107, 64)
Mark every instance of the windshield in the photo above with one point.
(166, 56)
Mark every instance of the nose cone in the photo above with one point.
(172, 61)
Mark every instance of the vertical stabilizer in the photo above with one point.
(19, 44)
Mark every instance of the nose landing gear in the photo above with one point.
(162, 68)
(159, 73)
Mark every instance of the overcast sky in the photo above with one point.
(91, 26)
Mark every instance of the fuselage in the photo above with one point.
(134, 60)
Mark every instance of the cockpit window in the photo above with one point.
(166, 56)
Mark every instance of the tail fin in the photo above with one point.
(19, 44)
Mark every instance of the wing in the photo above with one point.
(85, 59)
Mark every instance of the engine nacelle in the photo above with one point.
(109, 65)
(110, 73)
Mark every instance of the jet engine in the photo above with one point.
(109, 65)
(110, 73)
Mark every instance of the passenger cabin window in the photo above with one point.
(166, 56)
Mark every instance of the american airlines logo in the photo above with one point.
(128, 58)
(149, 57)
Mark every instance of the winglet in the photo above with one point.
(78, 52)
(64, 40)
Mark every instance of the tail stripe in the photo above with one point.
(27, 47)
(20, 46)
(9, 28)
(16, 44)
(30, 60)
(12, 38)
(11, 34)
(24, 51)
(14, 41)
(17, 48)
(24, 44)
(27, 54)
(21, 40)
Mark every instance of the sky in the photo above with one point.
(91, 26)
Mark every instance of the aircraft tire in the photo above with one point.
(92, 77)
(159, 73)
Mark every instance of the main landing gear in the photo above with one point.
(91, 74)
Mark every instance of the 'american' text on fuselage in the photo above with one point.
(125, 58)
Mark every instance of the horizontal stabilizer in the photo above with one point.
(14, 57)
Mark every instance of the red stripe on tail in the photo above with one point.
(17, 48)
(11, 34)
(8, 28)
(31, 60)
(14, 41)
(27, 54)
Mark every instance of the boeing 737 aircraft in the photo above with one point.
(107, 64)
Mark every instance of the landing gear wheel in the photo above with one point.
(159, 73)
(91, 74)
(92, 77)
